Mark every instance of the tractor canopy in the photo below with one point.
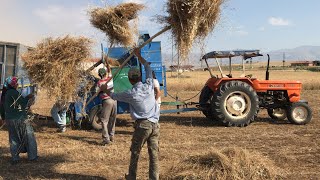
(228, 54)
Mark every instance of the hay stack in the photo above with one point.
(114, 21)
(230, 163)
(191, 20)
(55, 64)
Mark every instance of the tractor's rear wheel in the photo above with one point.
(235, 104)
(299, 113)
(277, 114)
(94, 118)
(204, 102)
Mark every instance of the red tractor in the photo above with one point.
(236, 101)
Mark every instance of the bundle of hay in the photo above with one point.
(114, 21)
(230, 163)
(55, 65)
(191, 20)
(112, 62)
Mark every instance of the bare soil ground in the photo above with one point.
(77, 154)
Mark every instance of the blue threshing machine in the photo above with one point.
(151, 52)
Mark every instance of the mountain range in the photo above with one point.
(301, 53)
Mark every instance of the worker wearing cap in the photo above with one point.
(145, 112)
(109, 106)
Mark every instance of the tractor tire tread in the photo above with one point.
(217, 100)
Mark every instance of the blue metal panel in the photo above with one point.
(93, 103)
(122, 107)
(165, 81)
(121, 54)
(116, 52)
(152, 53)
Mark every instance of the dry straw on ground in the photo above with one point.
(191, 20)
(114, 21)
(229, 163)
(55, 65)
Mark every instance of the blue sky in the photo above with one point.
(245, 24)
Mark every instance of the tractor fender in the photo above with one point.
(215, 83)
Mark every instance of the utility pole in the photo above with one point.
(283, 59)
(172, 46)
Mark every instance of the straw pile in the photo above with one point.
(112, 62)
(191, 20)
(230, 163)
(55, 65)
(114, 21)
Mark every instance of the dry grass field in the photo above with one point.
(293, 151)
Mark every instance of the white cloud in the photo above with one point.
(277, 21)
(62, 18)
(261, 28)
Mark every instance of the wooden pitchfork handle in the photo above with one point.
(3, 123)
(128, 58)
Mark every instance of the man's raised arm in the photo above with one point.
(144, 62)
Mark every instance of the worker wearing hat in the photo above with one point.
(109, 106)
(145, 112)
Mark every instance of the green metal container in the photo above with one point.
(120, 81)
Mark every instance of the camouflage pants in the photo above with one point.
(145, 131)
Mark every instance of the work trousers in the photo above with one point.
(21, 139)
(59, 115)
(108, 118)
(145, 131)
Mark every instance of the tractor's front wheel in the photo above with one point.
(277, 114)
(235, 103)
(94, 118)
(299, 113)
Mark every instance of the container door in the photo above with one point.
(10, 60)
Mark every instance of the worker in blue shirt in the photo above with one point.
(145, 112)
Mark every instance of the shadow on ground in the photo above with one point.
(44, 168)
(189, 121)
(205, 122)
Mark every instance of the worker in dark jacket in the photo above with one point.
(21, 134)
(3, 93)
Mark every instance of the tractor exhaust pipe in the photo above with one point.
(267, 72)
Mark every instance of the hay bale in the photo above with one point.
(55, 65)
(191, 20)
(229, 163)
(114, 21)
